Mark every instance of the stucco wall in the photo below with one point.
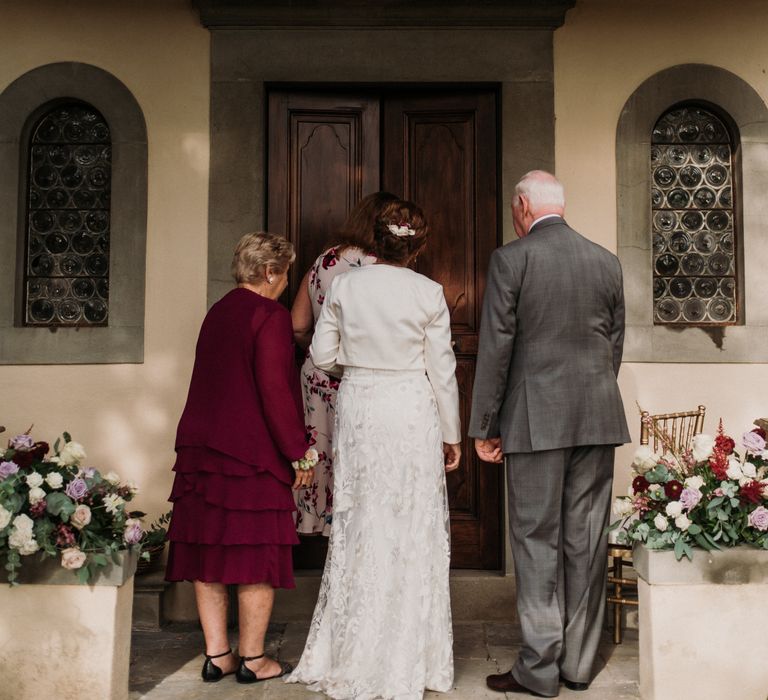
(602, 53)
(126, 415)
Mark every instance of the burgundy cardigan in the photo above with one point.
(244, 398)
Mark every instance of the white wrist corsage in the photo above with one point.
(400, 230)
(307, 462)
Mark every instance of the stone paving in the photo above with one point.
(166, 665)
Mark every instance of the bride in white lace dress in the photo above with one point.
(382, 624)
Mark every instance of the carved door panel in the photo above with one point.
(323, 157)
(438, 149)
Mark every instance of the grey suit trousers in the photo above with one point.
(559, 506)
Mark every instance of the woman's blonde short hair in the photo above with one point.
(257, 252)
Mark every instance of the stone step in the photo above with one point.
(475, 596)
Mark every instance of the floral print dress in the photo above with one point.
(319, 389)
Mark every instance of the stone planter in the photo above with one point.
(60, 639)
(703, 624)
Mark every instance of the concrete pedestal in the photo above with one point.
(59, 639)
(703, 624)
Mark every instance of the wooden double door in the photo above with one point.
(438, 148)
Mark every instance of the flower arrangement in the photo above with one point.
(53, 506)
(709, 496)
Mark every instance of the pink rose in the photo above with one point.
(133, 531)
(690, 498)
(753, 442)
(81, 517)
(72, 558)
(758, 518)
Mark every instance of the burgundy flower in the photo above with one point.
(640, 484)
(751, 492)
(673, 489)
(725, 444)
(718, 463)
(64, 536)
(37, 510)
(23, 458)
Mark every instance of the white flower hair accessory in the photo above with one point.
(401, 230)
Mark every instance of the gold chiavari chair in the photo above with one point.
(668, 430)
(678, 428)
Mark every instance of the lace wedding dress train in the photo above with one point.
(382, 624)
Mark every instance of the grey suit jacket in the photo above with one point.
(550, 344)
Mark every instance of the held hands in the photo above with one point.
(452, 455)
(489, 450)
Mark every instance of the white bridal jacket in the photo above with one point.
(391, 318)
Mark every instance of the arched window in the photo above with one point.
(694, 231)
(66, 270)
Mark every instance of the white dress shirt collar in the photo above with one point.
(541, 218)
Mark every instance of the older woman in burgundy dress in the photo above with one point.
(241, 429)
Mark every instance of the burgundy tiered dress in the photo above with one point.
(242, 426)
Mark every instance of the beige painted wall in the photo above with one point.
(126, 415)
(605, 50)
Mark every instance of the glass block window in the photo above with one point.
(694, 237)
(66, 280)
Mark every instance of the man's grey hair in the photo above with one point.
(541, 189)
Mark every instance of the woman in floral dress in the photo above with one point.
(352, 250)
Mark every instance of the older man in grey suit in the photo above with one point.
(547, 402)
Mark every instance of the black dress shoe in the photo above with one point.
(507, 683)
(574, 685)
(245, 675)
(211, 672)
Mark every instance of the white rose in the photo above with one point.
(694, 482)
(71, 454)
(5, 517)
(682, 522)
(112, 503)
(81, 517)
(35, 495)
(72, 558)
(623, 507)
(132, 486)
(23, 523)
(23, 542)
(749, 469)
(654, 487)
(34, 480)
(54, 480)
(673, 509)
(660, 522)
(112, 477)
(734, 469)
(702, 447)
(644, 459)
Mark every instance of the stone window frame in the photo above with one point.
(729, 95)
(122, 341)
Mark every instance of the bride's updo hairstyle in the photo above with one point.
(400, 232)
